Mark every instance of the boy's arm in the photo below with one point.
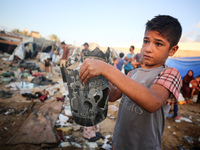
(149, 99)
(126, 58)
(126, 62)
(134, 63)
(115, 93)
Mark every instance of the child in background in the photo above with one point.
(195, 85)
(115, 60)
(47, 64)
(146, 93)
(121, 61)
(128, 66)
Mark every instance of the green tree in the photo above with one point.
(15, 31)
(54, 37)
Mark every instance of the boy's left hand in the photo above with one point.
(91, 68)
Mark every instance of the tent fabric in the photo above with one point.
(19, 51)
(46, 44)
(183, 64)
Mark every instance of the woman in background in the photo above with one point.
(186, 90)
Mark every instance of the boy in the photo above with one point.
(121, 61)
(195, 85)
(128, 67)
(115, 61)
(145, 92)
(47, 64)
(86, 48)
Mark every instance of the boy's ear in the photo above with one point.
(173, 50)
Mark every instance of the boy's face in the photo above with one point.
(131, 49)
(63, 46)
(198, 79)
(85, 46)
(116, 61)
(155, 49)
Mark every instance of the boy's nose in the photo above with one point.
(149, 48)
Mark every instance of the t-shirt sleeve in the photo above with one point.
(136, 56)
(124, 61)
(170, 79)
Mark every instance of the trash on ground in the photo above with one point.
(185, 119)
(65, 130)
(188, 139)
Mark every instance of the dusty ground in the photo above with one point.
(172, 137)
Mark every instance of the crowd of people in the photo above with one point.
(129, 62)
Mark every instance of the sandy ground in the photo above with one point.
(172, 136)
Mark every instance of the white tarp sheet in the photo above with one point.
(19, 52)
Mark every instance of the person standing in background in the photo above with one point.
(61, 50)
(128, 67)
(186, 90)
(115, 60)
(86, 48)
(65, 56)
(136, 60)
(51, 54)
(121, 61)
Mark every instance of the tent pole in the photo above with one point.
(42, 46)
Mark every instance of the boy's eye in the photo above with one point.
(159, 44)
(145, 41)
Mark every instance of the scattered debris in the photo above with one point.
(177, 120)
(10, 111)
(23, 111)
(65, 130)
(62, 120)
(188, 139)
(185, 119)
(91, 145)
(4, 94)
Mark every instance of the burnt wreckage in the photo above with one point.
(89, 102)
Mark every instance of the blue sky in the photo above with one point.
(116, 23)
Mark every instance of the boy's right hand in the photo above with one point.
(91, 68)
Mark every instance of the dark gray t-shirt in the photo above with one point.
(136, 128)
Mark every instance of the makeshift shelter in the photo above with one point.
(36, 43)
(183, 64)
(9, 42)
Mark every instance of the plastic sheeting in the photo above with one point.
(183, 64)
(19, 51)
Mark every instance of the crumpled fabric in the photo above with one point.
(41, 80)
(4, 94)
(90, 132)
(27, 65)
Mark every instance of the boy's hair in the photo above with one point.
(133, 47)
(121, 55)
(198, 76)
(63, 43)
(114, 59)
(166, 26)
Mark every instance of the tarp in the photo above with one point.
(46, 44)
(183, 64)
(19, 51)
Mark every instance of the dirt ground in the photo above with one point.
(173, 136)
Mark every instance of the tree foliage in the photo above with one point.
(54, 37)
